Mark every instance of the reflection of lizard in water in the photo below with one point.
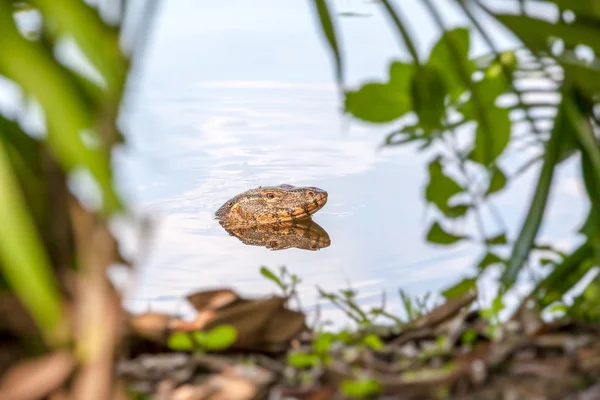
(302, 234)
(276, 217)
(271, 204)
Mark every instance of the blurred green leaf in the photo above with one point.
(498, 239)
(25, 264)
(497, 182)
(328, 31)
(267, 273)
(443, 59)
(372, 340)
(590, 163)
(490, 144)
(99, 42)
(66, 116)
(180, 341)
(586, 77)
(457, 211)
(363, 388)
(219, 338)
(303, 360)
(581, 8)
(441, 187)
(460, 288)
(526, 238)
(428, 94)
(383, 102)
(439, 236)
(490, 258)
(565, 275)
(536, 33)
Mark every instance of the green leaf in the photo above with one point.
(180, 341)
(323, 342)
(590, 163)
(360, 388)
(497, 182)
(267, 273)
(441, 187)
(383, 102)
(64, 109)
(457, 211)
(536, 34)
(328, 31)
(581, 8)
(219, 338)
(498, 239)
(439, 236)
(460, 288)
(490, 144)
(443, 59)
(371, 340)
(526, 238)
(586, 77)
(428, 94)
(24, 262)
(303, 360)
(489, 259)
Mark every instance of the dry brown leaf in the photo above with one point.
(445, 311)
(36, 378)
(212, 299)
(152, 325)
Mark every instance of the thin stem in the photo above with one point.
(406, 37)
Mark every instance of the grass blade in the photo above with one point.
(329, 31)
(530, 227)
(23, 259)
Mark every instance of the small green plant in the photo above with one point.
(219, 338)
(360, 388)
(285, 281)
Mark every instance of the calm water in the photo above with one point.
(233, 95)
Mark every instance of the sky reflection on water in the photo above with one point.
(216, 111)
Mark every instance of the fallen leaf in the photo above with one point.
(48, 372)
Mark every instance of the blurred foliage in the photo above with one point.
(54, 247)
(472, 112)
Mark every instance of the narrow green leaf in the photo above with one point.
(530, 227)
(438, 235)
(586, 77)
(497, 182)
(536, 33)
(180, 341)
(25, 264)
(328, 30)
(428, 93)
(460, 288)
(590, 163)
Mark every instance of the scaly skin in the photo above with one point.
(271, 204)
(303, 234)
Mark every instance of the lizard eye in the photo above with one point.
(310, 193)
(229, 204)
(270, 195)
